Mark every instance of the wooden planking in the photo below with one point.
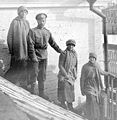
(40, 105)
(43, 110)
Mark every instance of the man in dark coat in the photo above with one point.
(67, 75)
(91, 86)
(17, 44)
(38, 40)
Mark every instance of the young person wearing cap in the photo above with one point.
(17, 44)
(38, 40)
(91, 86)
(67, 75)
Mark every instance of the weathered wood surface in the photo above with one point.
(35, 105)
(9, 110)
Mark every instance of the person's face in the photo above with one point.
(23, 14)
(92, 59)
(70, 47)
(41, 20)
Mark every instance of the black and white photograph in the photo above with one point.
(58, 60)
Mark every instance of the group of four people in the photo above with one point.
(28, 49)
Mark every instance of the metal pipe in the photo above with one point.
(116, 101)
(105, 39)
(108, 98)
(105, 49)
(112, 110)
(105, 35)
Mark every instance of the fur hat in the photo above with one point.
(70, 42)
(92, 55)
(22, 8)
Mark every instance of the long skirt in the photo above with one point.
(92, 107)
(65, 92)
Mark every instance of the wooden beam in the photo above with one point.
(35, 104)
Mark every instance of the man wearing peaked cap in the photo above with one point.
(38, 40)
(91, 86)
(40, 15)
(17, 44)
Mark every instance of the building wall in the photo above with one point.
(64, 23)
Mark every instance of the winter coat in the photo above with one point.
(17, 38)
(68, 67)
(90, 81)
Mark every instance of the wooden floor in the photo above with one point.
(35, 106)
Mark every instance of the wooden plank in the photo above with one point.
(43, 101)
(38, 113)
(20, 94)
(16, 95)
(33, 106)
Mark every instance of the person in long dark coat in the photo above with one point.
(17, 45)
(91, 86)
(67, 75)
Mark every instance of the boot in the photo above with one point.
(41, 90)
(33, 89)
(63, 105)
(41, 94)
(45, 97)
(70, 107)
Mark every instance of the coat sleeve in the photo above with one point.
(61, 65)
(31, 44)
(102, 72)
(28, 24)
(76, 66)
(82, 80)
(53, 44)
(10, 38)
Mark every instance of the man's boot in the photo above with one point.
(63, 105)
(70, 107)
(41, 94)
(34, 89)
(41, 90)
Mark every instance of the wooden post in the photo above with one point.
(112, 102)
(108, 97)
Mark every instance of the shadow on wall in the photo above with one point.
(4, 57)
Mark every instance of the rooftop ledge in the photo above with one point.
(48, 5)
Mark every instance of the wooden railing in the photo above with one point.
(111, 112)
